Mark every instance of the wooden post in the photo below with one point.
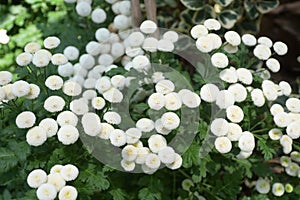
(151, 9)
(136, 13)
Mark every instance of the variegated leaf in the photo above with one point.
(223, 3)
(251, 9)
(193, 4)
(266, 6)
(228, 18)
(203, 14)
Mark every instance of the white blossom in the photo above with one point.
(165, 45)
(275, 134)
(69, 172)
(273, 65)
(249, 40)
(234, 113)
(129, 153)
(265, 41)
(257, 97)
(56, 180)
(170, 120)
(234, 132)
(145, 125)
(68, 134)
(281, 119)
(293, 105)
(68, 193)
(32, 47)
(72, 88)
(262, 186)
(67, 118)
(278, 189)
(212, 24)
(246, 142)
(133, 135)
(5, 77)
(117, 137)
(223, 144)
(51, 42)
(24, 59)
(150, 44)
(140, 63)
(156, 101)
(25, 119)
(102, 35)
(285, 88)
(262, 52)
(136, 39)
(106, 129)
(152, 161)
(219, 127)
(36, 136)
(239, 92)
(276, 108)
(293, 130)
(164, 86)
(280, 48)
(159, 127)
(166, 155)
(244, 75)
(198, 31)
(224, 99)
(209, 92)
(156, 142)
(54, 82)
(59, 59)
(83, 9)
(46, 191)
(112, 117)
(127, 165)
(232, 38)
(98, 15)
(36, 178)
(219, 60)
(20, 88)
(71, 52)
(79, 106)
(229, 75)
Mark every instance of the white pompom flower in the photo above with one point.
(176, 164)
(129, 153)
(50, 126)
(262, 186)
(54, 82)
(24, 59)
(199, 31)
(164, 86)
(293, 130)
(148, 27)
(34, 91)
(67, 118)
(142, 153)
(156, 142)
(36, 178)
(122, 22)
(245, 76)
(25, 119)
(68, 193)
(190, 99)
(150, 44)
(98, 16)
(246, 142)
(172, 101)
(229, 75)
(282, 119)
(32, 47)
(156, 101)
(233, 38)
(234, 132)
(224, 99)
(71, 53)
(234, 113)
(212, 24)
(293, 105)
(128, 166)
(46, 191)
(219, 60)
(209, 92)
(117, 138)
(265, 41)
(239, 92)
(285, 88)
(68, 134)
(36, 136)
(98, 103)
(69, 172)
(79, 106)
(56, 169)
(56, 180)
(170, 120)
(219, 127)
(152, 161)
(262, 52)
(166, 155)
(273, 65)
(112, 117)
(140, 63)
(159, 127)
(205, 44)
(5, 77)
(280, 48)
(133, 135)
(276, 108)
(83, 9)
(136, 39)
(275, 134)
(20, 88)
(278, 189)
(223, 144)
(165, 45)
(59, 59)
(51, 42)
(102, 34)
(257, 97)
(105, 131)
(72, 88)
(249, 40)
(145, 125)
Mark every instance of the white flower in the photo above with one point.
(212, 24)
(176, 164)
(293, 130)
(117, 137)
(145, 125)
(150, 44)
(93, 48)
(129, 153)
(285, 161)
(205, 44)
(249, 40)
(24, 59)
(128, 166)
(50, 126)
(167, 155)
(170, 120)
(72, 88)
(117, 50)
(294, 116)
(98, 103)
(36, 136)
(148, 170)
(79, 106)
(112, 117)
(83, 9)
(125, 8)
(280, 48)
(265, 41)
(276, 108)
(89, 94)
(257, 97)
(105, 131)
(239, 92)
(136, 39)
(46, 192)
(165, 45)
(209, 92)
(273, 65)
(224, 99)
(133, 135)
(71, 53)
(285, 88)
(198, 31)
(54, 104)
(102, 34)
(103, 84)
(68, 193)
(156, 142)
(293, 105)
(281, 119)
(5, 77)
(295, 155)
(65, 70)
(68, 134)
(2, 94)
(56, 169)
(59, 59)
(232, 38)
(229, 75)
(262, 186)
(87, 61)
(234, 113)
(247, 142)
(190, 99)
(234, 132)
(25, 119)
(156, 101)
(91, 124)
(89, 83)
(244, 75)
(148, 26)
(286, 140)
(56, 180)
(140, 63)
(278, 189)
(142, 153)
(51, 42)
(292, 169)
(230, 48)
(41, 58)
(69, 172)
(152, 161)
(118, 81)
(54, 82)
(133, 51)
(287, 148)
(219, 127)
(164, 86)
(160, 128)
(244, 155)
(4, 38)
(275, 134)
(219, 60)
(262, 52)
(8, 94)
(34, 91)
(20, 88)
(98, 16)
(36, 178)
(223, 144)
(215, 39)
(67, 118)
(32, 47)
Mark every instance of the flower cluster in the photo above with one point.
(263, 186)
(48, 186)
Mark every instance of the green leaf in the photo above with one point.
(251, 9)
(266, 150)
(186, 16)
(228, 18)
(206, 12)
(191, 156)
(224, 3)
(146, 194)
(266, 6)
(193, 4)
(21, 149)
(7, 160)
(118, 194)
